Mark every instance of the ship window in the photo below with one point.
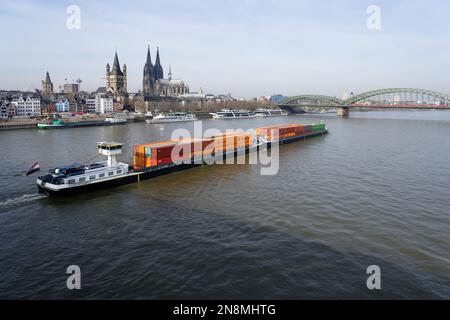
(71, 181)
(110, 173)
(101, 175)
(119, 171)
(82, 179)
(92, 178)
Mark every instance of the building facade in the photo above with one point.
(91, 105)
(48, 107)
(62, 106)
(71, 88)
(47, 85)
(100, 104)
(105, 104)
(4, 110)
(11, 110)
(27, 107)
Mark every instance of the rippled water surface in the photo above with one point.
(375, 191)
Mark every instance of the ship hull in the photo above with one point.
(153, 121)
(120, 181)
(295, 139)
(68, 125)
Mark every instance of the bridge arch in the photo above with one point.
(418, 93)
(311, 100)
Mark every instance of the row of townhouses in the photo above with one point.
(94, 104)
(22, 106)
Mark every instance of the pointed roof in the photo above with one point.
(116, 65)
(149, 58)
(158, 63)
(47, 78)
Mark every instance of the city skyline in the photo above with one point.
(247, 48)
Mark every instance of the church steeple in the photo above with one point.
(47, 85)
(149, 58)
(116, 65)
(157, 57)
(47, 78)
(159, 73)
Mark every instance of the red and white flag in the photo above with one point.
(34, 168)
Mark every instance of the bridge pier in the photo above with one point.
(343, 111)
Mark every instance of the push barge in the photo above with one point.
(59, 124)
(157, 158)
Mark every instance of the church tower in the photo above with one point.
(148, 82)
(159, 73)
(116, 80)
(169, 75)
(47, 85)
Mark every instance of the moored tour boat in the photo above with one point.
(232, 114)
(270, 112)
(115, 120)
(172, 117)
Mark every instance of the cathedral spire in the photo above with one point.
(157, 57)
(159, 73)
(149, 58)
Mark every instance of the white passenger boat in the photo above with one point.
(232, 114)
(115, 120)
(270, 112)
(172, 117)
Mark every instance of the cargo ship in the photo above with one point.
(158, 158)
(59, 124)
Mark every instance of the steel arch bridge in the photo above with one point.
(415, 95)
(384, 98)
(312, 100)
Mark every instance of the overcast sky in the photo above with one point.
(244, 47)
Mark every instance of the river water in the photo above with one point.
(375, 191)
